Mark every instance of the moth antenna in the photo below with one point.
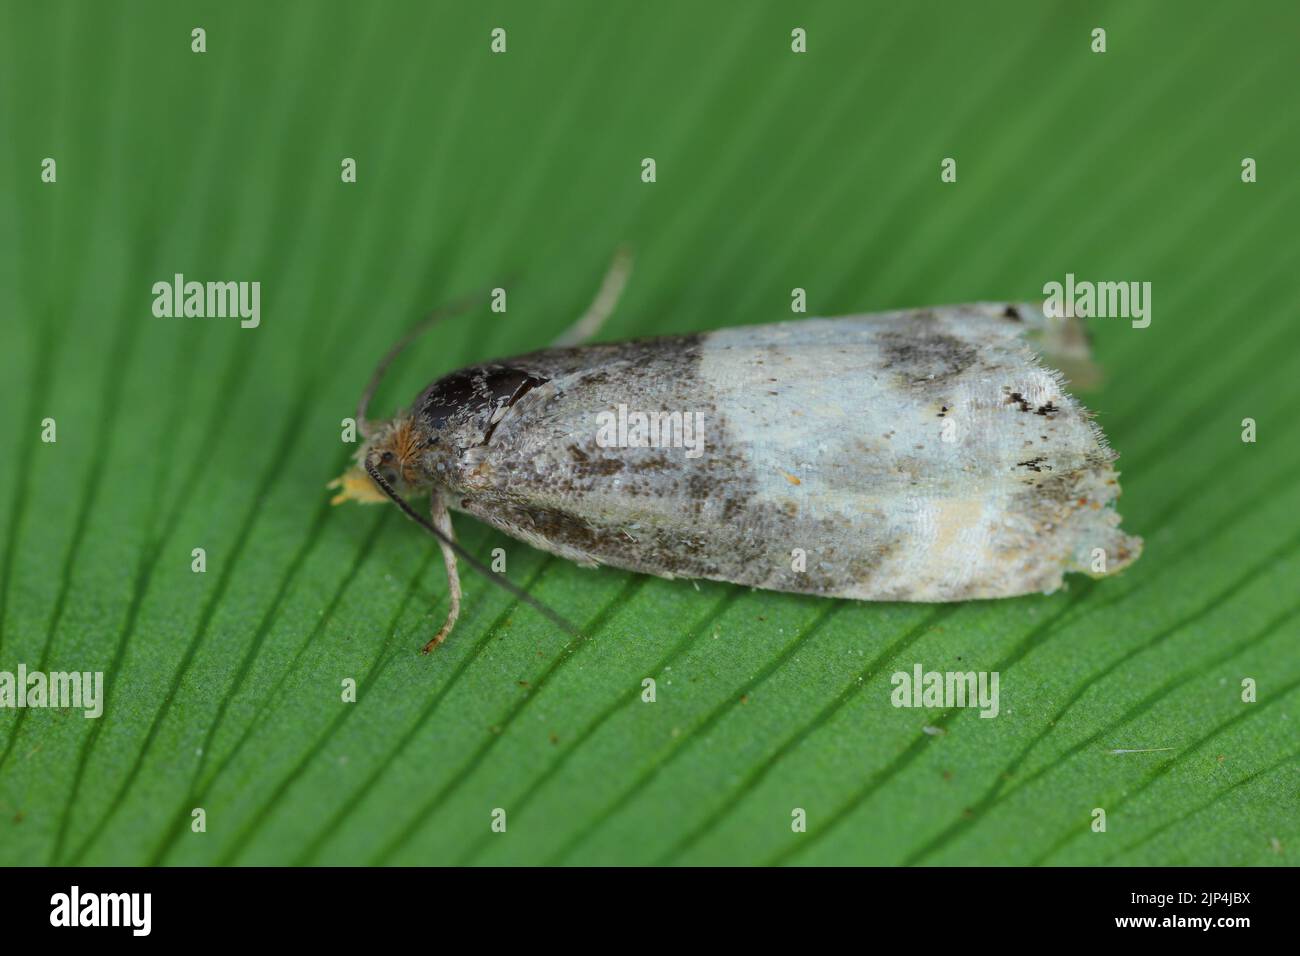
(429, 321)
(611, 290)
(553, 616)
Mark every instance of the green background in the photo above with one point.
(775, 170)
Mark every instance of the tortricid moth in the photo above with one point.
(918, 455)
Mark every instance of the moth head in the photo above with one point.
(394, 452)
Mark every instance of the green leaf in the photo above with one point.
(774, 170)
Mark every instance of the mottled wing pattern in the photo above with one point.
(922, 455)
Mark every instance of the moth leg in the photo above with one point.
(441, 518)
(611, 288)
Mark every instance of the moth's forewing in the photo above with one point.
(916, 456)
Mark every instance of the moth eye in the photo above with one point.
(387, 457)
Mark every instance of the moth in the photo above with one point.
(918, 455)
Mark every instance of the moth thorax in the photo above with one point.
(463, 409)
